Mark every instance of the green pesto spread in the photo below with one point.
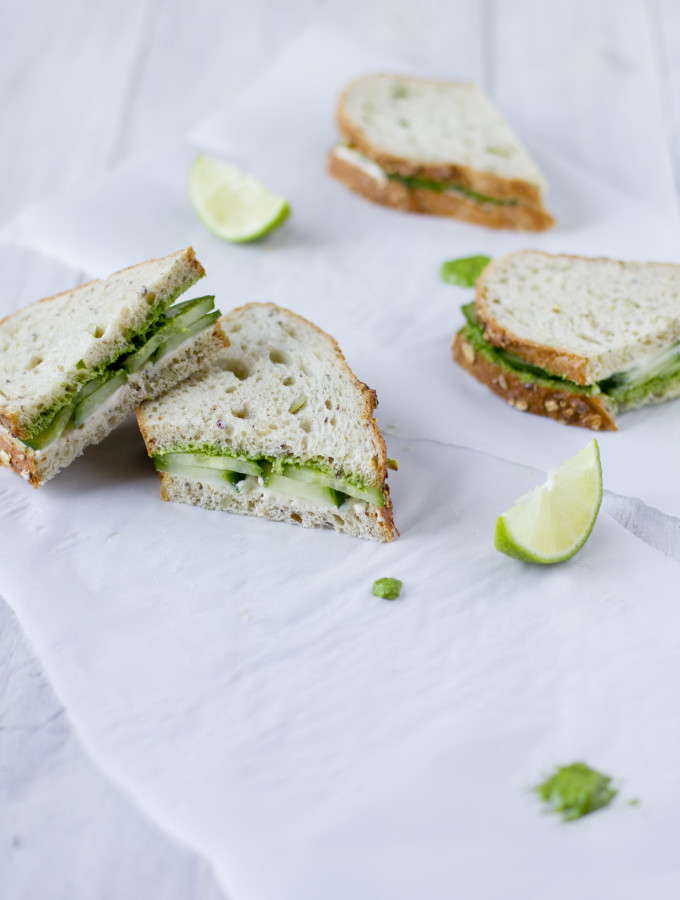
(464, 271)
(575, 791)
(387, 588)
(623, 390)
(412, 181)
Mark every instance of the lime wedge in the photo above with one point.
(553, 522)
(231, 204)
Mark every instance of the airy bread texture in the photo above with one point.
(52, 345)
(38, 466)
(444, 132)
(583, 319)
(282, 389)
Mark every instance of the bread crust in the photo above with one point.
(20, 459)
(465, 176)
(563, 406)
(421, 200)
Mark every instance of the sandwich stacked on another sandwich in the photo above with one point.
(436, 147)
(73, 366)
(279, 426)
(575, 339)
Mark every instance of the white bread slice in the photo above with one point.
(444, 131)
(282, 389)
(38, 466)
(584, 319)
(56, 342)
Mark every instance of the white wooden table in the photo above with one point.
(84, 87)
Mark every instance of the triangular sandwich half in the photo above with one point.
(73, 366)
(573, 338)
(279, 427)
(436, 147)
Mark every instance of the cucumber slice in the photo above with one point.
(173, 342)
(94, 398)
(137, 359)
(309, 475)
(215, 463)
(189, 311)
(178, 318)
(196, 473)
(313, 492)
(186, 464)
(54, 430)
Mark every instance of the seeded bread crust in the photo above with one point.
(38, 466)
(420, 200)
(466, 176)
(567, 407)
(372, 523)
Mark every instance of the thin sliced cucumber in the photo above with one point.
(188, 311)
(313, 492)
(196, 473)
(179, 318)
(173, 342)
(84, 409)
(309, 475)
(176, 461)
(54, 430)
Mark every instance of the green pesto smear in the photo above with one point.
(576, 790)
(464, 271)
(387, 588)
(412, 181)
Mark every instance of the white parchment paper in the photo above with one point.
(238, 677)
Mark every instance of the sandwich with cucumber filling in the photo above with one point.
(436, 147)
(573, 338)
(73, 366)
(278, 426)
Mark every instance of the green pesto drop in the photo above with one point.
(576, 790)
(387, 588)
(465, 271)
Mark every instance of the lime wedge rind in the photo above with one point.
(232, 205)
(551, 523)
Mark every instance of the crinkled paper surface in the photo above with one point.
(238, 677)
